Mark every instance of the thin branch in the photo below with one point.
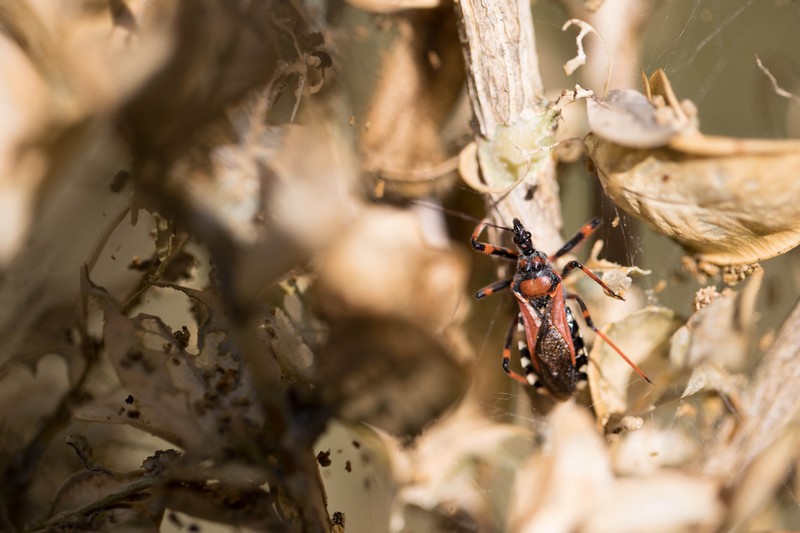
(513, 117)
(769, 406)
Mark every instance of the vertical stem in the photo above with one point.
(513, 119)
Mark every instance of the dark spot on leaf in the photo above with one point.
(356, 444)
(134, 415)
(194, 527)
(119, 181)
(337, 519)
(348, 466)
(129, 399)
(324, 458)
(665, 178)
(175, 520)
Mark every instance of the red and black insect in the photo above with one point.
(553, 355)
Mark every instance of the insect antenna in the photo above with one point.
(459, 214)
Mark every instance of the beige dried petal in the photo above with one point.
(721, 332)
(383, 265)
(390, 6)
(669, 501)
(471, 478)
(643, 337)
(652, 448)
(626, 117)
(550, 493)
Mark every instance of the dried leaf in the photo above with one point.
(721, 332)
(721, 198)
(580, 59)
(668, 501)
(651, 449)
(384, 266)
(392, 374)
(192, 401)
(468, 486)
(574, 461)
(627, 118)
(644, 338)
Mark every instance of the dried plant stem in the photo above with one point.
(135, 487)
(769, 406)
(513, 118)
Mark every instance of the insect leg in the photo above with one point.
(493, 288)
(507, 352)
(584, 232)
(588, 319)
(489, 249)
(572, 265)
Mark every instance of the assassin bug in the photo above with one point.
(553, 355)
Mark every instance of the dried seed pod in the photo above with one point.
(723, 199)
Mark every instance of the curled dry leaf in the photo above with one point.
(295, 333)
(644, 337)
(721, 198)
(191, 400)
(47, 380)
(668, 501)
(721, 332)
(616, 276)
(627, 117)
(651, 448)
(468, 485)
(574, 461)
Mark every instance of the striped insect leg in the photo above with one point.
(493, 288)
(582, 234)
(507, 352)
(489, 249)
(572, 265)
(588, 319)
(581, 357)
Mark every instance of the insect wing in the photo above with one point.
(551, 348)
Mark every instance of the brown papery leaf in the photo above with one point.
(722, 198)
(644, 338)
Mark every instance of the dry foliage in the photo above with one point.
(225, 305)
